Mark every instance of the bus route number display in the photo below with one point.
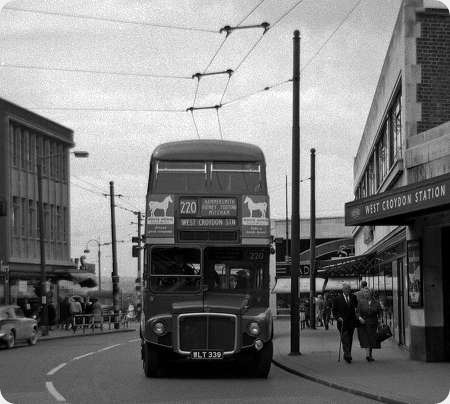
(208, 207)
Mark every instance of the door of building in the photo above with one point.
(446, 286)
(401, 301)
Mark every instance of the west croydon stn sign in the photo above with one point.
(397, 205)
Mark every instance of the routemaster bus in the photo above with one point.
(206, 257)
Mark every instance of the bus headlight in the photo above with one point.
(253, 329)
(159, 328)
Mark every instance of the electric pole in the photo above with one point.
(295, 208)
(114, 274)
(312, 243)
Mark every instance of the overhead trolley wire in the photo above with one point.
(286, 13)
(114, 20)
(251, 12)
(102, 109)
(331, 35)
(92, 71)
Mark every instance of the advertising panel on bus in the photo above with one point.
(160, 216)
(255, 216)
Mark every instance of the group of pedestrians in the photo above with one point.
(360, 310)
(74, 306)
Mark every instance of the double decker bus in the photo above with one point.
(206, 257)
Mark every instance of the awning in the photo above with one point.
(400, 205)
(346, 267)
(283, 285)
(84, 279)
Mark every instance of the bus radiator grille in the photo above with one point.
(207, 332)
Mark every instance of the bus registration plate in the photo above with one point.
(206, 355)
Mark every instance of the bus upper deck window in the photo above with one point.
(237, 177)
(180, 176)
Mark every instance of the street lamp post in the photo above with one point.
(99, 263)
(99, 245)
(44, 319)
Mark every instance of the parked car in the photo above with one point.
(14, 326)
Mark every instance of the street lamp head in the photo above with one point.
(80, 154)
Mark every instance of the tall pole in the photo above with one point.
(312, 243)
(99, 271)
(138, 280)
(295, 215)
(287, 225)
(114, 275)
(44, 315)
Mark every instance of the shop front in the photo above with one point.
(412, 261)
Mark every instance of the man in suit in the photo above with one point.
(344, 310)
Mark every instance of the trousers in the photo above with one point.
(347, 340)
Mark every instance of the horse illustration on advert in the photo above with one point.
(252, 206)
(164, 205)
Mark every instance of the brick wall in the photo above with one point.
(433, 55)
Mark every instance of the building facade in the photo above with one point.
(401, 211)
(332, 239)
(26, 139)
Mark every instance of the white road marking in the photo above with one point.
(54, 370)
(108, 347)
(51, 389)
(134, 340)
(83, 356)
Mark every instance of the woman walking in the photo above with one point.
(368, 310)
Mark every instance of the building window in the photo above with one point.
(25, 149)
(65, 224)
(46, 159)
(382, 158)
(396, 132)
(32, 151)
(15, 216)
(16, 158)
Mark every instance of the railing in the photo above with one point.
(97, 322)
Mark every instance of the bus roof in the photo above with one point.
(208, 150)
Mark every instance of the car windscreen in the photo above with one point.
(175, 270)
(234, 270)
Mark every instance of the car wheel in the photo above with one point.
(11, 340)
(34, 337)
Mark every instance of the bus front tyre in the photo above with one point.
(150, 360)
(263, 361)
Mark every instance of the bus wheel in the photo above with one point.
(150, 360)
(263, 360)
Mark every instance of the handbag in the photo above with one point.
(383, 332)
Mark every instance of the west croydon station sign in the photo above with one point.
(385, 207)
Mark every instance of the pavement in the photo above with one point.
(391, 378)
(57, 333)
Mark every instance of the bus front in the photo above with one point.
(206, 265)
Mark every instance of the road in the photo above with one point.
(107, 369)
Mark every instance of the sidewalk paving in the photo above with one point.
(59, 333)
(392, 378)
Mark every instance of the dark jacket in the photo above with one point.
(346, 310)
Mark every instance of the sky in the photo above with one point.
(57, 58)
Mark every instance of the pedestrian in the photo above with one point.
(344, 310)
(97, 312)
(51, 312)
(64, 313)
(368, 311)
(360, 294)
(327, 306)
(75, 309)
(307, 312)
(319, 310)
